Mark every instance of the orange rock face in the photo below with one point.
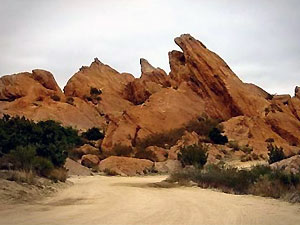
(125, 166)
(129, 109)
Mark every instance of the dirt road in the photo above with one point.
(121, 200)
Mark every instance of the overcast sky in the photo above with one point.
(260, 40)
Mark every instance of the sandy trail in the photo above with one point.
(122, 200)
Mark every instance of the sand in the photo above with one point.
(133, 200)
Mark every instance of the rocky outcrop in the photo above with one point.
(211, 78)
(291, 164)
(151, 81)
(36, 96)
(130, 109)
(90, 161)
(125, 166)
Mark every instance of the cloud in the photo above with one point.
(258, 39)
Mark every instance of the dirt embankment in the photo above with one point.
(23, 187)
(135, 200)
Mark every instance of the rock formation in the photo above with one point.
(130, 109)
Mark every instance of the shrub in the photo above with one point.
(70, 100)
(259, 180)
(195, 155)
(234, 145)
(169, 138)
(95, 91)
(275, 153)
(216, 136)
(58, 174)
(269, 140)
(246, 149)
(21, 139)
(122, 150)
(43, 166)
(93, 134)
(22, 176)
(203, 125)
(23, 157)
(55, 98)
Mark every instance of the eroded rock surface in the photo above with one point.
(130, 109)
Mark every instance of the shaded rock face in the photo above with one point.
(130, 109)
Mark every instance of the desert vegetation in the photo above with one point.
(259, 180)
(209, 129)
(40, 147)
(193, 155)
(93, 134)
(275, 153)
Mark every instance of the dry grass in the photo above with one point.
(260, 180)
(21, 176)
(58, 174)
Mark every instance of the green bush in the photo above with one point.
(195, 155)
(93, 134)
(216, 136)
(23, 157)
(203, 125)
(275, 153)
(42, 165)
(49, 139)
(259, 180)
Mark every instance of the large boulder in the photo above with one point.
(153, 153)
(87, 149)
(168, 166)
(125, 166)
(90, 161)
(291, 164)
(75, 168)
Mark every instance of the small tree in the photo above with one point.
(275, 153)
(216, 136)
(93, 134)
(95, 91)
(195, 155)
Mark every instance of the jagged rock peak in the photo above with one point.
(184, 37)
(97, 61)
(297, 91)
(146, 67)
